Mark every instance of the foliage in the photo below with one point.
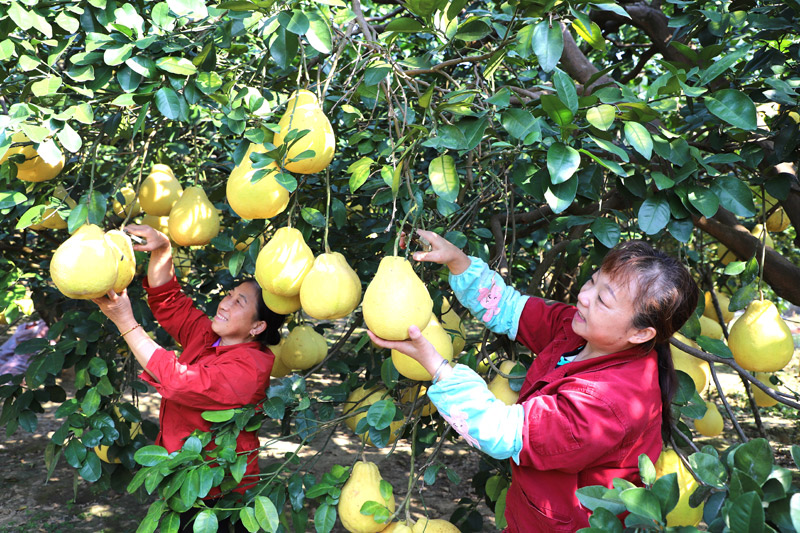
(532, 133)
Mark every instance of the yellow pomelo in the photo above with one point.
(758, 232)
(360, 399)
(436, 525)
(451, 322)
(283, 263)
(760, 340)
(126, 266)
(425, 407)
(303, 348)
(711, 424)
(681, 515)
(363, 486)
(158, 223)
(193, 220)
(696, 368)
(397, 527)
(85, 265)
(159, 191)
(249, 199)
(778, 221)
(283, 305)
(50, 220)
(437, 336)
(279, 369)
(396, 299)
(724, 303)
(761, 397)
(304, 113)
(102, 450)
(724, 255)
(331, 289)
(34, 168)
(710, 328)
(130, 206)
(500, 387)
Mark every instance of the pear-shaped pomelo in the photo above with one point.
(760, 340)
(159, 191)
(697, 369)
(126, 266)
(34, 167)
(283, 305)
(252, 198)
(304, 348)
(85, 265)
(193, 220)
(331, 289)
(282, 264)
(304, 113)
(364, 485)
(682, 514)
(711, 424)
(395, 300)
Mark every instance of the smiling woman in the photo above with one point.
(598, 393)
(225, 362)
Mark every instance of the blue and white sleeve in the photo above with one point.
(486, 423)
(483, 291)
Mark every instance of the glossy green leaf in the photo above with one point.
(319, 33)
(404, 25)
(266, 514)
(556, 110)
(704, 200)
(548, 44)
(218, 416)
(176, 65)
(606, 231)
(206, 521)
(638, 137)
(195, 9)
(565, 88)
(562, 162)
(168, 103)
(654, 214)
(612, 148)
(381, 413)
(601, 116)
(324, 518)
(92, 469)
(359, 172)
(517, 122)
(746, 513)
(591, 34)
(151, 455)
(444, 178)
(559, 197)
(295, 22)
(734, 195)
(247, 516)
(642, 502)
(733, 107)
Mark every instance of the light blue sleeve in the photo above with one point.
(486, 423)
(483, 291)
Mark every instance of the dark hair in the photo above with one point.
(667, 297)
(272, 334)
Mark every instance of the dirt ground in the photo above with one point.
(66, 503)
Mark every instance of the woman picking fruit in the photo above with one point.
(225, 361)
(596, 396)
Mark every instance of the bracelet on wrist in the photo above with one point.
(133, 328)
(439, 369)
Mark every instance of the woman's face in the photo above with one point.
(605, 315)
(236, 319)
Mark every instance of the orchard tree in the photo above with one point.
(535, 134)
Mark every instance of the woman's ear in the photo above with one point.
(258, 328)
(642, 335)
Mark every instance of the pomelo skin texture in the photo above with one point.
(85, 265)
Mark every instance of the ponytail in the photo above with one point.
(272, 333)
(668, 382)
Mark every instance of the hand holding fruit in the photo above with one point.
(418, 348)
(117, 307)
(443, 252)
(154, 239)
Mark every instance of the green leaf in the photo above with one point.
(296, 22)
(613, 166)
(517, 122)
(176, 65)
(247, 516)
(726, 62)
(562, 162)
(284, 47)
(168, 103)
(359, 172)
(654, 214)
(709, 469)
(746, 513)
(607, 232)
(734, 195)
(444, 178)
(754, 458)
(313, 216)
(548, 44)
(150, 455)
(118, 54)
(733, 107)
(239, 468)
(703, 200)
(715, 346)
(69, 139)
(319, 33)
(47, 86)
(565, 88)
(638, 137)
(556, 110)
(91, 470)
(559, 197)
(170, 523)
(266, 514)
(590, 34)
(205, 522)
(324, 518)
(90, 402)
(647, 471)
(208, 82)
(381, 414)
(404, 25)
(195, 9)
(597, 496)
(218, 416)
(601, 117)
(642, 502)
(610, 147)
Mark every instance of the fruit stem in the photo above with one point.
(327, 209)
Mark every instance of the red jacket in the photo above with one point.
(586, 422)
(205, 377)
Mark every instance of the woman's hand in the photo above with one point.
(117, 307)
(155, 240)
(418, 348)
(443, 252)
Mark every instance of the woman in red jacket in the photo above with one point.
(598, 392)
(225, 362)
